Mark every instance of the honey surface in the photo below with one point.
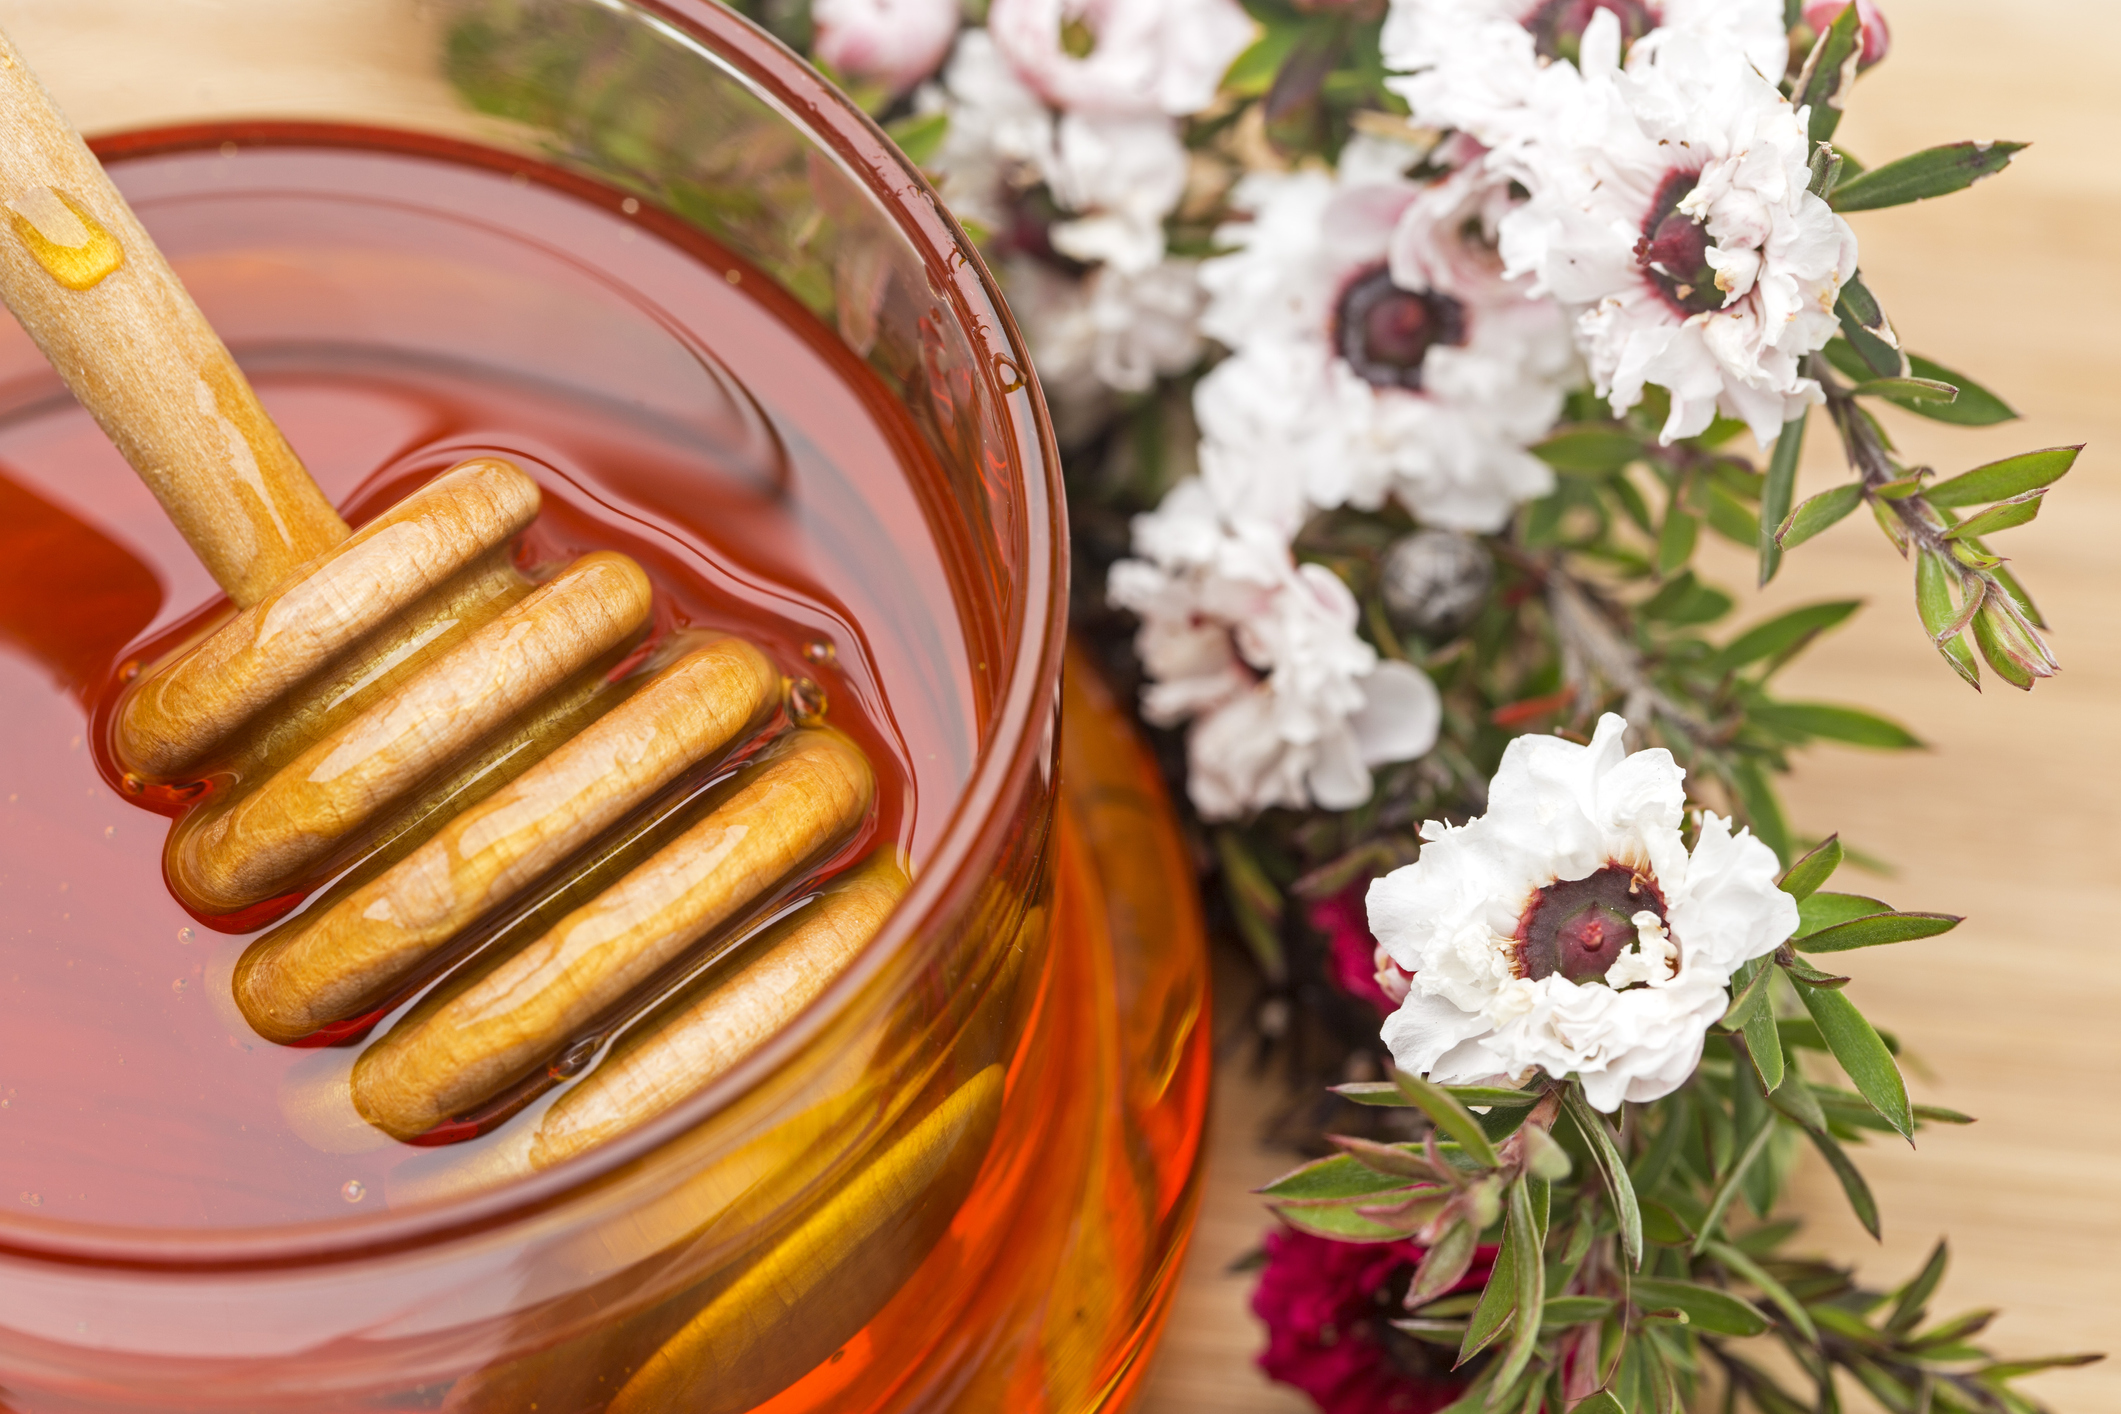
(399, 312)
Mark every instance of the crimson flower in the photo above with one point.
(1328, 1307)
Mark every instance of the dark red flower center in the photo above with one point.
(1384, 332)
(1580, 927)
(1557, 26)
(1674, 250)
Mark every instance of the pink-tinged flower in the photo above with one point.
(1355, 963)
(1377, 352)
(1328, 1308)
(1671, 214)
(1122, 56)
(896, 43)
(1877, 36)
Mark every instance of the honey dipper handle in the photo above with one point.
(89, 286)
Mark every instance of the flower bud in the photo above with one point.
(896, 43)
(1877, 36)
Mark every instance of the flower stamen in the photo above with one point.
(1385, 332)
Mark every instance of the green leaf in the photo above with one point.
(1685, 600)
(1727, 1186)
(1449, 1116)
(1762, 811)
(1341, 1176)
(1803, 878)
(1750, 994)
(1340, 1222)
(1601, 1402)
(2013, 476)
(1704, 1306)
(1831, 723)
(1817, 513)
(1778, 492)
(1856, 1045)
(1934, 171)
(1444, 1265)
(919, 135)
(1829, 73)
(1729, 516)
(1946, 622)
(1252, 73)
(1254, 902)
(1590, 449)
(1824, 910)
(1779, 636)
(2004, 515)
(1404, 1161)
(1620, 1189)
(1852, 1185)
(1531, 1277)
(1914, 390)
(1810, 976)
(1975, 406)
(1913, 1300)
(1878, 930)
(1499, 1299)
(1868, 331)
(1763, 1038)
(1675, 542)
(1751, 1272)
(1574, 1311)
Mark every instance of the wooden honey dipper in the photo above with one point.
(379, 691)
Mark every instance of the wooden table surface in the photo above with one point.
(2014, 816)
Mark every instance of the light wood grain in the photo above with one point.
(225, 859)
(2013, 817)
(704, 1040)
(126, 338)
(347, 960)
(181, 712)
(812, 788)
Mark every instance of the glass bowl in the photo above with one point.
(964, 1177)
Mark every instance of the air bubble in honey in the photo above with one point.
(806, 703)
(69, 243)
(353, 1190)
(820, 651)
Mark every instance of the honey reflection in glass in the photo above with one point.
(403, 304)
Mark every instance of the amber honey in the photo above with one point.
(402, 304)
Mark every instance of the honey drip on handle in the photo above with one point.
(72, 246)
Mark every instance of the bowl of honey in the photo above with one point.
(645, 256)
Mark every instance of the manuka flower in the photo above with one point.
(1500, 70)
(1670, 212)
(1122, 56)
(896, 43)
(1328, 1308)
(1288, 705)
(1376, 349)
(1568, 930)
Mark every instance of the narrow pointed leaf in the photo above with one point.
(1878, 930)
(1817, 513)
(1340, 1176)
(1706, 1307)
(1727, 1187)
(1975, 406)
(1590, 448)
(1909, 389)
(1803, 878)
(1751, 1272)
(2000, 480)
(1618, 1186)
(1913, 1301)
(1780, 635)
(1856, 1045)
(1531, 1279)
(1397, 1160)
(1751, 996)
(1778, 493)
(1497, 1301)
(1834, 723)
(1763, 1038)
(1934, 171)
(1602, 1402)
(1825, 909)
(1444, 1265)
(1829, 73)
(1449, 1116)
(2008, 664)
(2004, 515)
(1868, 331)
